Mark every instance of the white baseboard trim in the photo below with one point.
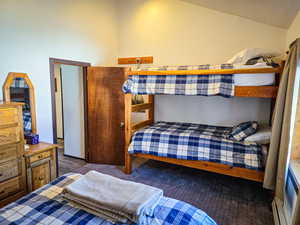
(278, 213)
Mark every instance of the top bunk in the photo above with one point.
(227, 80)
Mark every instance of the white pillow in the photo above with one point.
(249, 53)
(262, 136)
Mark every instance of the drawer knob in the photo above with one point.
(40, 157)
(2, 192)
(1, 174)
(41, 178)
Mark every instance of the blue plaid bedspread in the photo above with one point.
(196, 142)
(46, 206)
(201, 85)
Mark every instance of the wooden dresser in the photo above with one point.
(12, 165)
(40, 165)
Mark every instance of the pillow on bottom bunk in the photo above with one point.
(243, 130)
(262, 136)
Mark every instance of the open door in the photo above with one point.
(105, 113)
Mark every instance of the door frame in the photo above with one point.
(84, 65)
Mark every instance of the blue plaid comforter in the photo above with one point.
(46, 206)
(201, 85)
(196, 142)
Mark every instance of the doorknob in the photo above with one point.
(122, 124)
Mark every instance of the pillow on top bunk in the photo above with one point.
(243, 130)
(262, 136)
(243, 56)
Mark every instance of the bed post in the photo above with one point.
(128, 128)
(150, 114)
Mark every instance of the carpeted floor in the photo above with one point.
(229, 201)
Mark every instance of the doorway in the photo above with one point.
(69, 112)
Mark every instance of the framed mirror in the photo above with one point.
(18, 88)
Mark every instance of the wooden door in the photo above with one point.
(105, 113)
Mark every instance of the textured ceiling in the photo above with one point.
(278, 13)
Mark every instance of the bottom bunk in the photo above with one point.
(206, 147)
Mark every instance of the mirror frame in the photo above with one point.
(6, 93)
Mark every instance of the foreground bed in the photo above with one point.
(46, 206)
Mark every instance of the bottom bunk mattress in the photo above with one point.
(46, 206)
(196, 142)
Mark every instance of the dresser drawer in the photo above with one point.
(10, 169)
(40, 156)
(9, 152)
(8, 116)
(9, 187)
(9, 135)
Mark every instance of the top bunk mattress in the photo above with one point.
(254, 79)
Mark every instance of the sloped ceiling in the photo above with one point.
(278, 13)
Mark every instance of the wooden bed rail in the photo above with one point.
(248, 174)
(276, 70)
(141, 107)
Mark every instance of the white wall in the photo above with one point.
(176, 32)
(293, 31)
(34, 30)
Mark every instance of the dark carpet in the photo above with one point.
(228, 200)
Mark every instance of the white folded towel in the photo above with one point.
(112, 198)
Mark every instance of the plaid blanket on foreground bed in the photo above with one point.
(202, 85)
(46, 206)
(196, 142)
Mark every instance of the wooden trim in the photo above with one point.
(85, 112)
(69, 62)
(6, 93)
(141, 107)
(248, 174)
(256, 91)
(136, 60)
(208, 72)
(52, 62)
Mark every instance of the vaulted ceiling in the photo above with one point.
(278, 13)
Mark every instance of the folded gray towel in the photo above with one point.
(112, 198)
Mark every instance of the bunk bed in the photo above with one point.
(224, 80)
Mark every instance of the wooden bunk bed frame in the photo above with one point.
(240, 91)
